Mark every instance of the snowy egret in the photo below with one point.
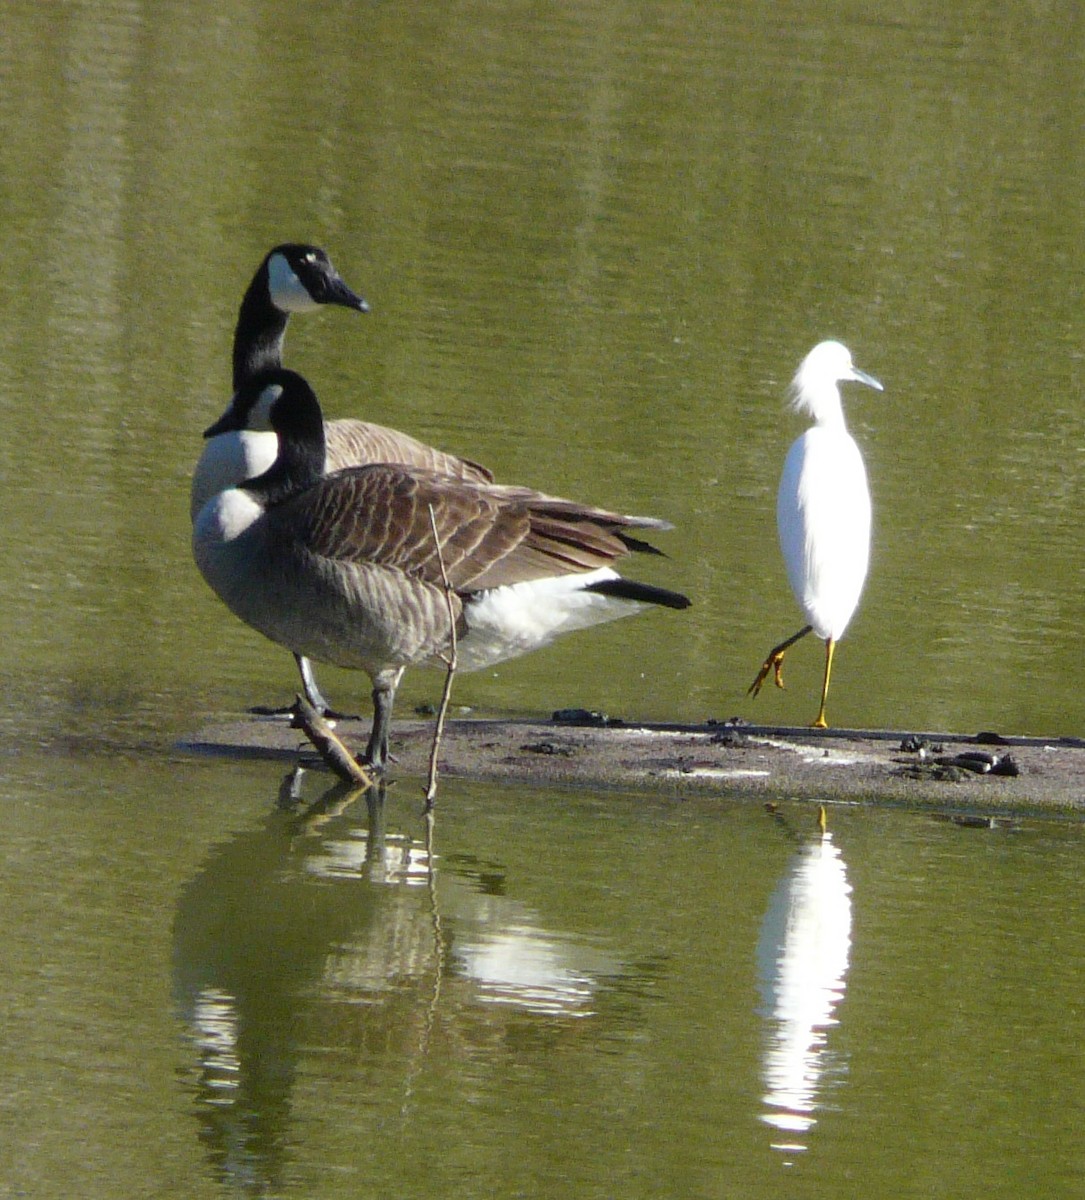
(349, 568)
(823, 511)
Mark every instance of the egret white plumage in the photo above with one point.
(823, 511)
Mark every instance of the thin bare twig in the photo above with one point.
(450, 662)
(330, 748)
(429, 1022)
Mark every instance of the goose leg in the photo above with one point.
(775, 662)
(314, 695)
(384, 694)
(308, 682)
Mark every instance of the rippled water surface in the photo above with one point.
(597, 240)
(209, 993)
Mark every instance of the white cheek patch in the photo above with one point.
(288, 293)
(260, 414)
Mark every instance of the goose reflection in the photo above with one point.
(803, 963)
(249, 942)
(325, 932)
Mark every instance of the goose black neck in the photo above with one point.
(261, 327)
(299, 425)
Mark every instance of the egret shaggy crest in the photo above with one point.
(822, 511)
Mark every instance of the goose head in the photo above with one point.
(299, 277)
(283, 402)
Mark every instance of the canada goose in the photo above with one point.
(296, 278)
(344, 567)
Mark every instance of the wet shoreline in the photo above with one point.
(983, 772)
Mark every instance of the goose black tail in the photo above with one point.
(639, 545)
(643, 593)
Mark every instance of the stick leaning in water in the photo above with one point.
(450, 662)
(328, 745)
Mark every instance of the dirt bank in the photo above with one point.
(980, 773)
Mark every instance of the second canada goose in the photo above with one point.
(296, 278)
(344, 567)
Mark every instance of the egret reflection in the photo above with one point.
(803, 964)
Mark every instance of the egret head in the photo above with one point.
(814, 389)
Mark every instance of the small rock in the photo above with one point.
(585, 716)
(548, 748)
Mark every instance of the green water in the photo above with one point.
(597, 239)
(207, 994)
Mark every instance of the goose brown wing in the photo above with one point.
(353, 443)
(543, 501)
(380, 515)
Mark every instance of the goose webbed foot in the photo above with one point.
(267, 710)
(287, 710)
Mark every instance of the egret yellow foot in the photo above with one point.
(775, 662)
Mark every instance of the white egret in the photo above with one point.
(823, 511)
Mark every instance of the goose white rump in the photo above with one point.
(506, 622)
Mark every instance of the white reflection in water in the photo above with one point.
(214, 1025)
(497, 944)
(803, 963)
(518, 964)
(392, 858)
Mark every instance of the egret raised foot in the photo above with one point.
(775, 662)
